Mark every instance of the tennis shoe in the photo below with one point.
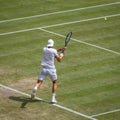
(54, 100)
(33, 93)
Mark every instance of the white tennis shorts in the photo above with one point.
(47, 72)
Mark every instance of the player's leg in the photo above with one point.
(54, 87)
(53, 76)
(38, 84)
(41, 77)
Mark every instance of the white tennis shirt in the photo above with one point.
(49, 57)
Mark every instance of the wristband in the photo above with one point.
(61, 54)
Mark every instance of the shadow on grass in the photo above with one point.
(24, 101)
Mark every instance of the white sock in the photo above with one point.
(35, 88)
(53, 94)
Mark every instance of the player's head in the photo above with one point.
(50, 43)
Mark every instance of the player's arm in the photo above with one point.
(59, 57)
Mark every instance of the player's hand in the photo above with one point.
(63, 50)
(59, 50)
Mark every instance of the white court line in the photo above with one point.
(80, 21)
(57, 105)
(67, 23)
(55, 25)
(65, 11)
(18, 31)
(105, 49)
(109, 112)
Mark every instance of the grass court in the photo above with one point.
(88, 76)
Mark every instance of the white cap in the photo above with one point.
(50, 43)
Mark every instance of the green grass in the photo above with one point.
(88, 77)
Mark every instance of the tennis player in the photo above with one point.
(48, 67)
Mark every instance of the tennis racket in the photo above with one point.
(67, 39)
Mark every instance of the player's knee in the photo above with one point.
(55, 81)
(39, 81)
